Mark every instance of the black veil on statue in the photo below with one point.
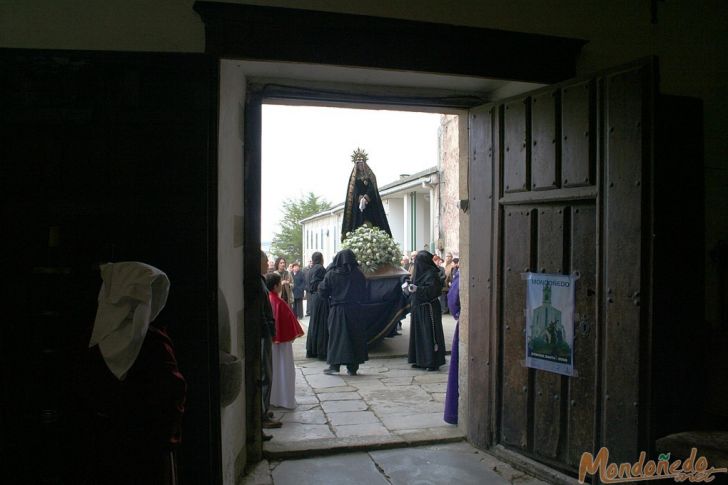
(363, 183)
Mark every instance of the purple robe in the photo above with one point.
(452, 393)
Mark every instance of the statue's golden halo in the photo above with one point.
(359, 155)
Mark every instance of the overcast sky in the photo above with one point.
(308, 149)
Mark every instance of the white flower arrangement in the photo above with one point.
(373, 248)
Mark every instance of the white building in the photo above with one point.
(412, 205)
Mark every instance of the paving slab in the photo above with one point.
(368, 384)
(313, 416)
(456, 462)
(372, 369)
(353, 469)
(413, 421)
(342, 406)
(313, 367)
(430, 378)
(437, 387)
(418, 465)
(402, 373)
(385, 408)
(338, 396)
(306, 399)
(371, 429)
(400, 394)
(290, 432)
(336, 389)
(299, 407)
(259, 475)
(352, 417)
(321, 381)
(428, 436)
(398, 381)
(325, 446)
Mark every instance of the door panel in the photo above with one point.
(555, 141)
(516, 259)
(479, 272)
(515, 147)
(623, 138)
(547, 386)
(581, 397)
(578, 108)
(544, 169)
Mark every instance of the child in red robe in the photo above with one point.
(283, 392)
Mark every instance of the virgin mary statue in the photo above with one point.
(363, 205)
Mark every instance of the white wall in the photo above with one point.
(230, 257)
(395, 216)
(422, 230)
(328, 243)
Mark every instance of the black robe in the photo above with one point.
(347, 334)
(426, 322)
(318, 333)
(363, 183)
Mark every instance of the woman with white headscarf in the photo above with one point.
(133, 386)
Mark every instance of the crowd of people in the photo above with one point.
(336, 332)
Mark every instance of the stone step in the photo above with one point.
(330, 446)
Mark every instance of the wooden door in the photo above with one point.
(115, 153)
(559, 183)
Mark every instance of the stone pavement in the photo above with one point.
(382, 426)
(450, 463)
(388, 404)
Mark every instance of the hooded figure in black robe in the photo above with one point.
(346, 286)
(318, 334)
(427, 339)
(363, 204)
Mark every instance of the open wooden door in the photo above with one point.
(106, 156)
(560, 182)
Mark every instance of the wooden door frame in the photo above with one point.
(264, 33)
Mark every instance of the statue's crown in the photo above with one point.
(359, 155)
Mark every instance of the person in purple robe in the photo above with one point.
(453, 392)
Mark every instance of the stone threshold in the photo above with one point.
(331, 446)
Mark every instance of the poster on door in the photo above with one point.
(550, 322)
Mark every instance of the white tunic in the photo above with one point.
(283, 387)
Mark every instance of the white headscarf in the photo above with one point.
(132, 295)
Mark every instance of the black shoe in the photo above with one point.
(415, 366)
(433, 369)
(267, 437)
(331, 371)
(271, 424)
(351, 372)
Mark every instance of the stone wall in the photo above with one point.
(449, 166)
